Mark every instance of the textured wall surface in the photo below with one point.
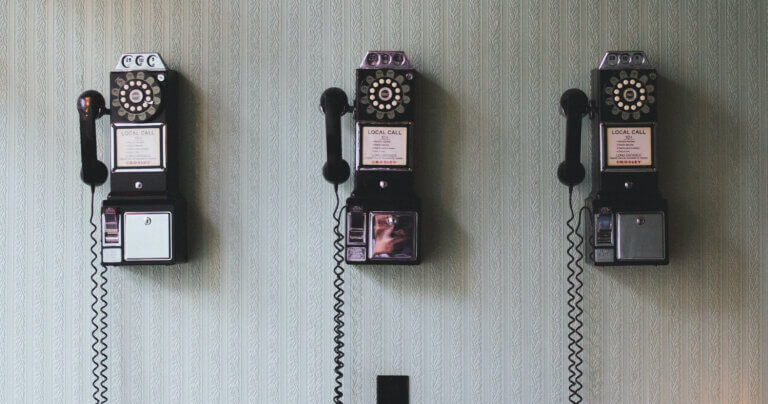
(248, 319)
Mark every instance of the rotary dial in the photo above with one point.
(630, 94)
(385, 93)
(136, 97)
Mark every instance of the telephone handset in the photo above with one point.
(333, 103)
(626, 217)
(574, 105)
(383, 212)
(90, 106)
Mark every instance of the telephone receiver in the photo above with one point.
(90, 107)
(334, 104)
(574, 105)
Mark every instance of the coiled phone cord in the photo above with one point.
(338, 294)
(99, 319)
(575, 270)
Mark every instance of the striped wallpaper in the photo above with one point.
(483, 319)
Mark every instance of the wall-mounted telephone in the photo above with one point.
(143, 218)
(626, 220)
(628, 223)
(383, 218)
(383, 223)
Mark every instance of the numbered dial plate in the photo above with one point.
(136, 96)
(385, 93)
(630, 95)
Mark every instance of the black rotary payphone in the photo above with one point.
(626, 220)
(383, 218)
(143, 218)
(383, 211)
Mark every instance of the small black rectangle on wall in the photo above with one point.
(391, 389)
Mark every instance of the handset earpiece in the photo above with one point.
(90, 106)
(575, 105)
(333, 103)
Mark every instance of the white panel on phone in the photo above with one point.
(147, 236)
(111, 255)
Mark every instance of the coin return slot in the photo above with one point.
(356, 228)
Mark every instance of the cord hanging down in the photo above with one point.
(99, 319)
(575, 270)
(338, 294)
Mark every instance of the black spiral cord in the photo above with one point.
(338, 294)
(575, 270)
(99, 319)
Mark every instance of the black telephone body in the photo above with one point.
(383, 223)
(143, 220)
(629, 222)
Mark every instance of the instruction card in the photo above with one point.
(385, 145)
(629, 146)
(137, 147)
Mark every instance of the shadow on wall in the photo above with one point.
(202, 235)
(687, 145)
(436, 145)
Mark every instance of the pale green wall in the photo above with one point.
(483, 318)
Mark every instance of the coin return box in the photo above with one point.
(640, 236)
(147, 236)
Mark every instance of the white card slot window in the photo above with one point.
(629, 146)
(147, 236)
(385, 146)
